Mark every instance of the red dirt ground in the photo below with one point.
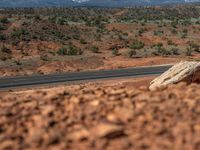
(101, 116)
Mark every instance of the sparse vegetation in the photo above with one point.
(94, 49)
(4, 20)
(69, 50)
(2, 37)
(189, 51)
(175, 51)
(115, 52)
(52, 33)
(131, 53)
(137, 45)
(5, 49)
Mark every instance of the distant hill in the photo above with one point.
(102, 3)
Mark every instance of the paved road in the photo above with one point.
(38, 80)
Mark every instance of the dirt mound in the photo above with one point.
(98, 117)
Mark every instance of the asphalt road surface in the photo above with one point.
(38, 80)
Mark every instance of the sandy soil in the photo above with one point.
(101, 116)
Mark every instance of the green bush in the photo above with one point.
(195, 47)
(94, 49)
(2, 27)
(161, 50)
(82, 41)
(158, 47)
(137, 45)
(73, 50)
(19, 32)
(165, 52)
(131, 53)
(189, 51)
(2, 37)
(175, 51)
(45, 57)
(61, 21)
(4, 20)
(70, 50)
(115, 52)
(62, 51)
(174, 31)
(141, 31)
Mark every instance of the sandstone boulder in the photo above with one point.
(185, 71)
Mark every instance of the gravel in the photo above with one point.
(101, 118)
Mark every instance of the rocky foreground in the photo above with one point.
(101, 118)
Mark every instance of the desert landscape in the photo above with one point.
(149, 112)
(55, 40)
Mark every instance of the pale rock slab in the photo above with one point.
(185, 71)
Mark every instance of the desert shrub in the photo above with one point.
(194, 47)
(185, 31)
(58, 34)
(120, 37)
(189, 51)
(158, 32)
(15, 42)
(73, 50)
(94, 49)
(141, 31)
(5, 53)
(2, 37)
(155, 53)
(186, 22)
(137, 45)
(115, 52)
(62, 51)
(174, 31)
(45, 57)
(4, 49)
(169, 42)
(184, 36)
(155, 33)
(157, 46)
(2, 27)
(82, 41)
(131, 53)
(174, 24)
(76, 36)
(69, 50)
(4, 20)
(165, 52)
(175, 51)
(19, 32)
(4, 56)
(161, 50)
(61, 21)
(197, 22)
(18, 62)
(52, 19)
(37, 17)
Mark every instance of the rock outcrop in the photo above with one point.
(185, 71)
